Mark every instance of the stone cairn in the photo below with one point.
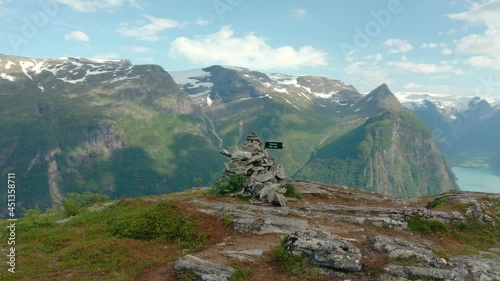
(266, 178)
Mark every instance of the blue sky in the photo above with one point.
(424, 46)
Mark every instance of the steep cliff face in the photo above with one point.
(391, 153)
(411, 163)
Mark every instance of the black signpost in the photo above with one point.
(273, 145)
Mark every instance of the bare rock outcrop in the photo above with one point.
(193, 268)
(325, 250)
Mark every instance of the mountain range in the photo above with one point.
(465, 128)
(74, 125)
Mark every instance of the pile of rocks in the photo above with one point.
(266, 178)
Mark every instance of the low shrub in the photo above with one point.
(291, 192)
(225, 184)
(34, 218)
(240, 275)
(164, 221)
(295, 264)
(416, 223)
(75, 202)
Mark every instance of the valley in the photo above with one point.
(85, 125)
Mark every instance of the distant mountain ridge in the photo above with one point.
(77, 125)
(465, 128)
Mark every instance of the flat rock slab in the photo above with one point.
(265, 224)
(480, 268)
(193, 268)
(325, 250)
(426, 273)
(308, 187)
(398, 248)
(245, 255)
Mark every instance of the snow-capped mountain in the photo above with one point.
(209, 85)
(78, 124)
(448, 105)
(66, 69)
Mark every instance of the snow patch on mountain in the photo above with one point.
(9, 64)
(193, 79)
(284, 79)
(325, 95)
(64, 79)
(281, 90)
(412, 99)
(237, 68)
(292, 104)
(25, 65)
(7, 77)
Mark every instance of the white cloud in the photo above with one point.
(77, 35)
(202, 21)
(484, 62)
(251, 51)
(3, 7)
(376, 57)
(299, 13)
(426, 68)
(91, 5)
(432, 45)
(148, 30)
(398, 45)
(447, 51)
(367, 74)
(485, 45)
(428, 45)
(438, 77)
(438, 89)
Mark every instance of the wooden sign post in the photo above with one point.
(273, 145)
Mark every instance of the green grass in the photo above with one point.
(118, 241)
(416, 223)
(437, 203)
(291, 192)
(164, 222)
(239, 274)
(466, 238)
(74, 203)
(477, 234)
(228, 219)
(406, 261)
(296, 265)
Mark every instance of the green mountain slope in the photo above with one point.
(76, 125)
(391, 153)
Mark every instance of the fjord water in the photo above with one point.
(477, 179)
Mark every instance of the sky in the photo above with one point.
(436, 46)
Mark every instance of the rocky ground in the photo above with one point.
(347, 234)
